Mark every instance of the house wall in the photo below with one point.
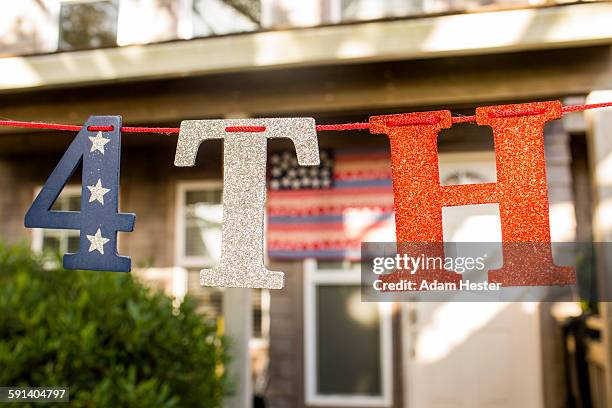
(380, 88)
(149, 177)
(148, 183)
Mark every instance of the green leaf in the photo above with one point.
(111, 340)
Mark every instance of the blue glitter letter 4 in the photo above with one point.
(99, 219)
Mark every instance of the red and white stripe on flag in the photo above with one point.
(331, 223)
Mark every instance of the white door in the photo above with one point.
(461, 354)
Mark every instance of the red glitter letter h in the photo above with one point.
(520, 189)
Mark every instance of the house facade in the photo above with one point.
(314, 343)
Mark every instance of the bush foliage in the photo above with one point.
(114, 342)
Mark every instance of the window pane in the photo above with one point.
(203, 196)
(51, 244)
(73, 203)
(348, 343)
(59, 204)
(217, 17)
(291, 13)
(355, 10)
(337, 266)
(68, 201)
(73, 243)
(210, 300)
(194, 242)
(63, 240)
(256, 295)
(374, 9)
(330, 265)
(204, 214)
(88, 25)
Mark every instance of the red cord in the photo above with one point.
(344, 126)
(576, 108)
(166, 130)
(463, 119)
(245, 129)
(174, 130)
(37, 125)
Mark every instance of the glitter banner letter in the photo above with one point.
(244, 190)
(520, 190)
(98, 219)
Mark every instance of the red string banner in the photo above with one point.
(520, 189)
(319, 128)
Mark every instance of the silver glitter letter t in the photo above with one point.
(244, 190)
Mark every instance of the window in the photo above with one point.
(198, 239)
(348, 342)
(218, 17)
(210, 300)
(88, 24)
(54, 241)
(355, 10)
(364, 10)
(198, 245)
(200, 214)
(291, 13)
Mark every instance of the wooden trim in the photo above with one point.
(367, 88)
(449, 35)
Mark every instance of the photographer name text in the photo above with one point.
(405, 285)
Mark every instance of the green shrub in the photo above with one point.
(114, 342)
